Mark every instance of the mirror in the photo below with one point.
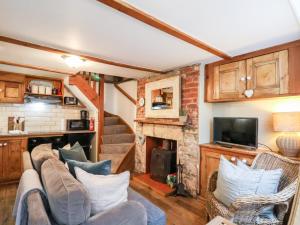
(162, 98)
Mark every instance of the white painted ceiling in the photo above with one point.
(89, 27)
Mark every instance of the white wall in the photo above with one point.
(116, 103)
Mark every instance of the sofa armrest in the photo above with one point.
(128, 213)
(27, 164)
(37, 214)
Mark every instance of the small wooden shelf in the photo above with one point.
(160, 122)
(42, 95)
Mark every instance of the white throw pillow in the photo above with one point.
(105, 192)
(237, 181)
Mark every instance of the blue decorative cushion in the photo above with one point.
(268, 185)
(237, 181)
(75, 153)
(98, 168)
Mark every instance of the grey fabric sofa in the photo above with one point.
(137, 211)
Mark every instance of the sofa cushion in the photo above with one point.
(68, 199)
(40, 154)
(76, 152)
(98, 168)
(105, 192)
(155, 216)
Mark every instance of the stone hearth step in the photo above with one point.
(116, 159)
(116, 129)
(111, 120)
(118, 138)
(116, 148)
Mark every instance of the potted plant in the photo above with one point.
(182, 115)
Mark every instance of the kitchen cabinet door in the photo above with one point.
(11, 92)
(229, 81)
(2, 162)
(267, 75)
(13, 156)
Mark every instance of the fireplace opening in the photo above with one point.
(161, 158)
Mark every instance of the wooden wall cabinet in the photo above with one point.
(210, 159)
(11, 88)
(269, 72)
(11, 165)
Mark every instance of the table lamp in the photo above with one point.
(289, 141)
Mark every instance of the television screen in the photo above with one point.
(236, 131)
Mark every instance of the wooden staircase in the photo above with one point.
(116, 139)
(118, 144)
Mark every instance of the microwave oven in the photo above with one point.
(70, 101)
(78, 125)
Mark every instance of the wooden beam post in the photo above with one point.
(71, 52)
(100, 113)
(140, 15)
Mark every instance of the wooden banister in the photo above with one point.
(85, 88)
(88, 88)
(100, 113)
(125, 93)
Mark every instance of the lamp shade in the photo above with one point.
(286, 121)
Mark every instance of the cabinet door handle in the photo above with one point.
(233, 159)
(244, 161)
(4, 144)
(1, 144)
(249, 78)
(243, 79)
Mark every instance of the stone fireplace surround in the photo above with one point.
(186, 136)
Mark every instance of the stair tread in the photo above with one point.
(120, 148)
(121, 134)
(115, 160)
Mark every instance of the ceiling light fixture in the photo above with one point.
(73, 61)
(296, 8)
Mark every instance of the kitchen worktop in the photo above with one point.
(45, 133)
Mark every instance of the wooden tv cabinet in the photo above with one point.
(210, 157)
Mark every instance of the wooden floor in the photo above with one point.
(7, 200)
(179, 210)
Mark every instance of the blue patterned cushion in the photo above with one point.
(75, 153)
(98, 168)
(268, 185)
(237, 181)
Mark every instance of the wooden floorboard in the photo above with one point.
(179, 210)
(7, 200)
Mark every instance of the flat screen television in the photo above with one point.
(235, 131)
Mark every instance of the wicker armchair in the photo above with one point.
(246, 210)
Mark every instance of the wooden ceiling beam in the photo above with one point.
(34, 67)
(62, 52)
(160, 25)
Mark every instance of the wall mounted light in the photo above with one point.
(73, 61)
